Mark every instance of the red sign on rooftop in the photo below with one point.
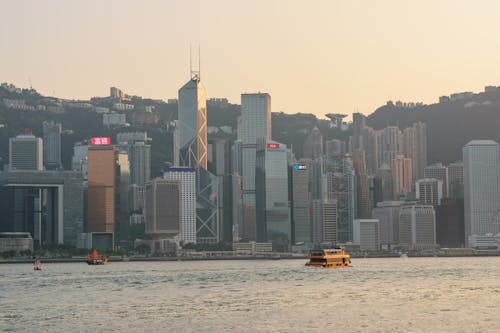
(273, 146)
(100, 141)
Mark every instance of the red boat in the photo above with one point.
(95, 259)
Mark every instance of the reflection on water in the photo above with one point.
(415, 294)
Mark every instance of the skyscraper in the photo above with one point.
(25, 153)
(363, 209)
(255, 123)
(417, 227)
(301, 200)
(358, 128)
(429, 191)
(438, 171)
(102, 167)
(313, 146)
(271, 189)
(163, 211)
(186, 178)
(481, 190)
(401, 175)
(414, 146)
(51, 145)
(140, 163)
(456, 180)
(192, 124)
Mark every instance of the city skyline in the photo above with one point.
(336, 56)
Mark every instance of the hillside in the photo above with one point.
(450, 124)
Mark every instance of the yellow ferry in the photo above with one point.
(336, 257)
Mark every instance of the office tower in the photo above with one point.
(481, 191)
(51, 145)
(450, 223)
(417, 227)
(122, 202)
(313, 146)
(383, 184)
(79, 162)
(334, 148)
(192, 123)
(136, 197)
(219, 164)
(25, 153)
(366, 234)
(419, 160)
(187, 182)
(363, 210)
(255, 124)
(340, 186)
(358, 127)
(324, 221)
(370, 146)
(387, 212)
(162, 211)
(301, 201)
(388, 144)
(271, 191)
(102, 168)
(401, 175)
(140, 163)
(438, 171)
(429, 191)
(456, 180)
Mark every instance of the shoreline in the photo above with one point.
(244, 257)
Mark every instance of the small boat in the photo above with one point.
(95, 259)
(37, 265)
(329, 258)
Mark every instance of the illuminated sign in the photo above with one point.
(297, 167)
(273, 146)
(100, 141)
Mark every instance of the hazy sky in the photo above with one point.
(311, 56)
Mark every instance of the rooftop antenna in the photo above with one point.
(195, 75)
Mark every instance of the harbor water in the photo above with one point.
(374, 295)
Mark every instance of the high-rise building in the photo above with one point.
(414, 146)
(438, 171)
(219, 164)
(450, 223)
(371, 148)
(255, 124)
(387, 212)
(301, 201)
(102, 168)
(388, 144)
(123, 207)
(366, 234)
(163, 212)
(324, 221)
(417, 227)
(363, 210)
(383, 184)
(25, 153)
(481, 190)
(79, 162)
(51, 145)
(192, 124)
(271, 191)
(186, 178)
(456, 180)
(313, 146)
(140, 163)
(358, 128)
(340, 186)
(429, 191)
(401, 175)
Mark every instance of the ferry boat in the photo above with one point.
(328, 258)
(96, 259)
(37, 265)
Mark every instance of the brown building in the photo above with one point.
(102, 171)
